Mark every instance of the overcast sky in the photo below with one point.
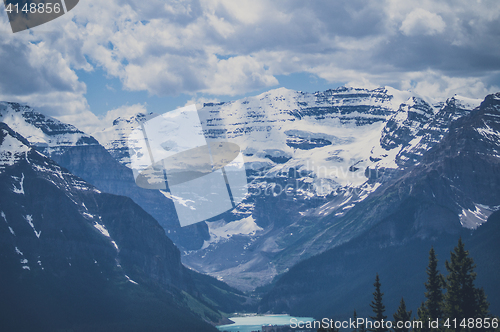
(130, 55)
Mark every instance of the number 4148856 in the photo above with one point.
(35, 8)
(473, 323)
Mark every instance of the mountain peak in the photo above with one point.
(114, 138)
(46, 134)
(463, 102)
(13, 146)
(491, 99)
(134, 119)
(402, 127)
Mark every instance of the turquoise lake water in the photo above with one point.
(254, 323)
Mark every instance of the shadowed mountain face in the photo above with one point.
(75, 258)
(83, 156)
(455, 185)
(95, 165)
(340, 280)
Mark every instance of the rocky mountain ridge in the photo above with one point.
(310, 163)
(105, 262)
(310, 159)
(452, 192)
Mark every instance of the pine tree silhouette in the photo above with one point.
(401, 315)
(432, 308)
(378, 307)
(462, 298)
(434, 286)
(355, 317)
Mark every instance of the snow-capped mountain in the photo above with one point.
(310, 159)
(452, 192)
(433, 130)
(85, 157)
(318, 133)
(50, 136)
(114, 138)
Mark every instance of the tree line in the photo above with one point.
(453, 303)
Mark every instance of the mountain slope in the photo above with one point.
(75, 258)
(310, 159)
(83, 156)
(450, 192)
(340, 280)
(48, 135)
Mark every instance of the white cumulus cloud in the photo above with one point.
(422, 22)
(225, 48)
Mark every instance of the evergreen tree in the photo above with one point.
(423, 316)
(355, 319)
(483, 305)
(463, 299)
(378, 307)
(432, 308)
(434, 287)
(401, 315)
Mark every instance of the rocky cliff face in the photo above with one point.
(83, 156)
(403, 126)
(450, 192)
(97, 166)
(114, 138)
(434, 129)
(74, 257)
(310, 159)
(48, 135)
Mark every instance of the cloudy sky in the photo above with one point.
(124, 56)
